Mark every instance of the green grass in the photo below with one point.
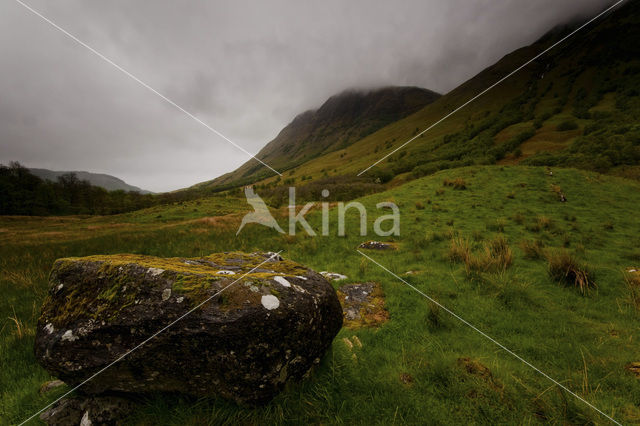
(584, 341)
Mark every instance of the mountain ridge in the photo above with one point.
(103, 180)
(575, 106)
(340, 121)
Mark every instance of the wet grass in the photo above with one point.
(410, 369)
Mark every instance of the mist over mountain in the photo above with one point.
(342, 120)
(108, 182)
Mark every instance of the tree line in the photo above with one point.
(22, 193)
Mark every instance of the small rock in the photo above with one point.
(85, 411)
(272, 256)
(377, 245)
(154, 272)
(50, 385)
(166, 294)
(68, 336)
(334, 276)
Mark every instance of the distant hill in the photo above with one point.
(575, 106)
(108, 182)
(343, 119)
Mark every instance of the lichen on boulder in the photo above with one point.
(270, 321)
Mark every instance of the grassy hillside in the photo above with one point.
(342, 120)
(577, 106)
(422, 364)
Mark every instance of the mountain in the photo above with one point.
(575, 106)
(108, 182)
(342, 120)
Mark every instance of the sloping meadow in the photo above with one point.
(422, 363)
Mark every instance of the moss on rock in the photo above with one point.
(266, 320)
(108, 284)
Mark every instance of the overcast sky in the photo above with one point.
(245, 68)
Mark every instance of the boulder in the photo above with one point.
(273, 321)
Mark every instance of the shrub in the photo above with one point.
(382, 175)
(457, 183)
(565, 269)
(567, 125)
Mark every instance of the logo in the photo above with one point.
(262, 216)
(260, 213)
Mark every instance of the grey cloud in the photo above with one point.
(246, 68)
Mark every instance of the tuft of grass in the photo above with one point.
(477, 236)
(497, 225)
(518, 218)
(419, 205)
(435, 318)
(364, 266)
(632, 281)
(498, 255)
(532, 249)
(544, 222)
(566, 269)
(22, 330)
(459, 250)
(495, 256)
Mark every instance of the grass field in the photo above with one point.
(422, 366)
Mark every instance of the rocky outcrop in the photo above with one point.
(266, 322)
(363, 305)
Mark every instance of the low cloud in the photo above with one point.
(246, 68)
